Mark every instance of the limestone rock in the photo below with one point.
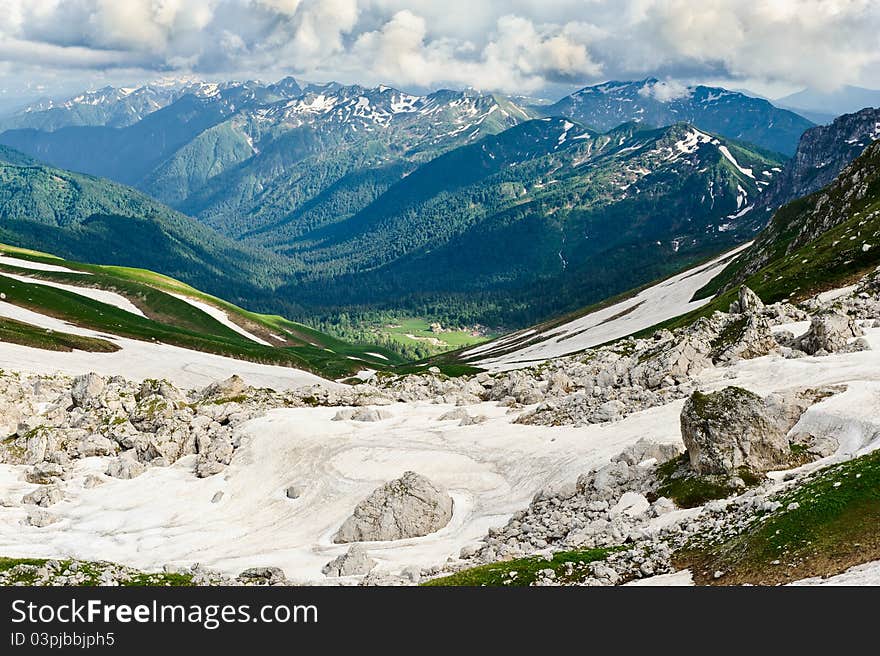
(829, 332)
(262, 576)
(44, 473)
(646, 449)
(354, 562)
(92, 481)
(44, 496)
(409, 507)
(126, 466)
(229, 388)
(294, 491)
(41, 518)
(748, 302)
(735, 428)
(87, 389)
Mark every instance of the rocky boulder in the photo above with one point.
(126, 466)
(354, 562)
(44, 496)
(87, 389)
(231, 387)
(409, 507)
(829, 332)
(262, 576)
(735, 428)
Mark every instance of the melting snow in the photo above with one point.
(662, 301)
(220, 316)
(747, 172)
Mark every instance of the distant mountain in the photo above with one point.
(109, 107)
(846, 100)
(726, 113)
(249, 155)
(91, 219)
(544, 217)
(823, 152)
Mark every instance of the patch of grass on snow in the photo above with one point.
(569, 566)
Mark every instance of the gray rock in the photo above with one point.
(409, 507)
(646, 449)
(748, 302)
(44, 496)
(294, 491)
(126, 466)
(735, 428)
(829, 332)
(217, 496)
(44, 473)
(92, 481)
(231, 387)
(354, 562)
(87, 389)
(371, 415)
(41, 518)
(96, 445)
(458, 414)
(262, 576)
(206, 467)
(473, 420)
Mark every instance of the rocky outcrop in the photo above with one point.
(408, 507)
(830, 332)
(735, 428)
(354, 562)
(748, 302)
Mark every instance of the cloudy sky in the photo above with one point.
(52, 47)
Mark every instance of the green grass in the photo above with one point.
(92, 573)
(25, 334)
(524, 571)
(688, 490)
(417, 331)
(173, 321)
(832, 527)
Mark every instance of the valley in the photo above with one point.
(447, 338)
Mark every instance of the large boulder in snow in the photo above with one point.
(829, 332)
(354, 562)
(735, 428)
(409, 507)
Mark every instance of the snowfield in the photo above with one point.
(665, 300)
(492, 470)
(220, 316)
(101, 295)
(138, 360)
(37, 266)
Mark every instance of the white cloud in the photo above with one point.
(665, 91)
(513, 45)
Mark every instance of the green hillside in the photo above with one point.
(169, 319)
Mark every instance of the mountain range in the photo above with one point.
(459, 205)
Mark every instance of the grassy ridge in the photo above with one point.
(824, 527)
(171, 320)
(25, 334)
